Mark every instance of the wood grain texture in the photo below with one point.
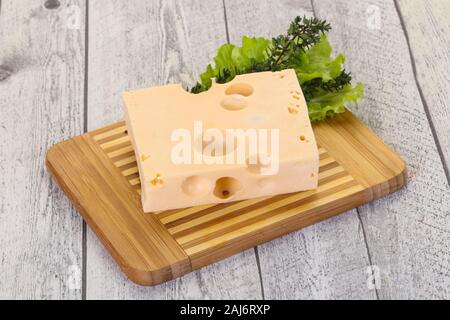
(154, 248)
(140, 44)
(408, 234)
(41, 103)
(427, 24)
(140, 244)
(321, 261)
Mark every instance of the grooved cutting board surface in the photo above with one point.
(98, 172)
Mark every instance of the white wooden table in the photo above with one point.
(64, 64)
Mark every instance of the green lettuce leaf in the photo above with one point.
(234, 60)
(325, 104)
(317, 71)
(317, 63)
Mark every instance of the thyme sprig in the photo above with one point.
(302, 34)
(311, 87)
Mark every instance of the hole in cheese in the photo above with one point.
(196, 186)
(227, 187)
(242, 89)
(256, 163)
(216, 144)
(234, 102)
(292, 110)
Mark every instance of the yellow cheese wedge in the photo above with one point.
(248, 138)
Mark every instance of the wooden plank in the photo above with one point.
(408, 233)
(142, 44)
(41, 101)
(327, 260)
(427, 25)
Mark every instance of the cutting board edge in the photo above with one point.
(190, 262)
(140, 276)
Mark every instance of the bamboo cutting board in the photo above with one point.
(99, 174)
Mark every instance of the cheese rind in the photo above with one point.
(270, 104)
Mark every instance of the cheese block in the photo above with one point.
(248, 138)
